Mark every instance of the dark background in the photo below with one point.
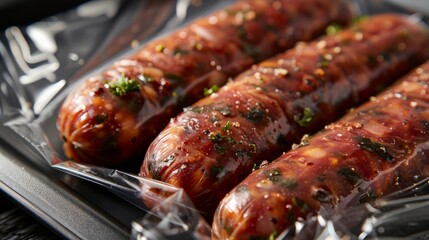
(24, 12)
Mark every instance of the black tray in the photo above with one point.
(71, 207)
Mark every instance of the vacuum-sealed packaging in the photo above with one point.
(170, 105)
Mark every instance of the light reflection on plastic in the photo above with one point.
(23, 56)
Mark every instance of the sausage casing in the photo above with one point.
(379, 148)
(215, 143)
(111, 118)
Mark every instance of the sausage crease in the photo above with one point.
(215, 143)
(111, 118)
(379, 148)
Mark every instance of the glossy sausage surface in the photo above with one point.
(379, 148)
(110, 119)
(215, 143)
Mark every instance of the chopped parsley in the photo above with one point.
(227, 126)
(123, 86)
(307, 117)
(216, 138)
(217, 142)
(275, 176)
(273, 236)
(274, 172)
(360, 19)
(211, 90)
(333, 29)
(252, 147)
(160, 48)
(255, 167)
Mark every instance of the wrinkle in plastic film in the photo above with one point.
(37, 59)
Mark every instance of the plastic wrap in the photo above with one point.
(42, 62)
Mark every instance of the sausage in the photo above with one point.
(111, 118)
(214, 144)
(379, 148)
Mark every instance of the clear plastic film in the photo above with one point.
(400, 215)
(41, 63)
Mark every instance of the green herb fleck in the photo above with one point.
(123, 86)
(306, 118)
(275, 176)
(255, 167)
(375, 147)
(217, 142)
(360, 19)
(273, 236)
(350, 175)
(274, 172)
(227, 126)
(216, 138)
(323, 62)
(252, 147)
(304, 140)
(211, 90)
(333, 29)
(160, 48)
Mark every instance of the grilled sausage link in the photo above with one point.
(215, 143)
(111, 118)
(378, 148)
